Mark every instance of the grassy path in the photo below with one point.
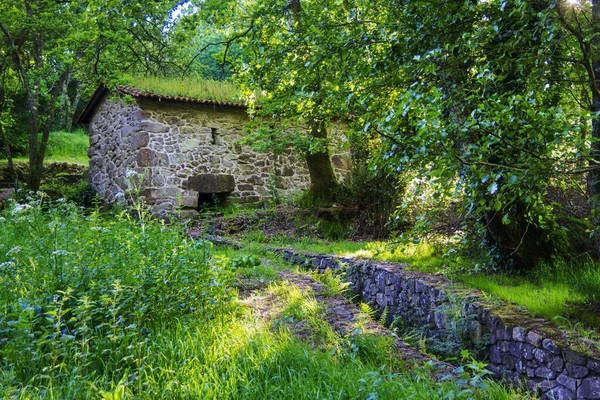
(311, 311)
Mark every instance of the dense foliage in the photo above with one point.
(487, 102)
(54, 54)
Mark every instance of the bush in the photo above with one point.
(80, 193)
(374, 192)
(88, 292)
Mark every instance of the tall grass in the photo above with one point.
(188, 87)
(81, 297)
(68, 147)
(559, 288)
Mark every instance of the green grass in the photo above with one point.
(424, 256)
(63, 146)
(557, 289)
(193, 88)
(105, 306)
(545, 299)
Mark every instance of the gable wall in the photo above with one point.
(171, 142)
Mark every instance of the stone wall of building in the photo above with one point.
(184, 150)
(518, 348)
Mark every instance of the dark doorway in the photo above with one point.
(211, 200)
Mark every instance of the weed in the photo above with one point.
(578, 327)
(367, 309)
(245, 261)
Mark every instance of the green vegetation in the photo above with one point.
(552, 289)
(107, 306)
(70, 147)
(194, 88)
(475, 119)
(559, 289)
(89, 294)
(251, 262)
(452, 108)
(425, 256)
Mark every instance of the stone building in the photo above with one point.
(187, 150)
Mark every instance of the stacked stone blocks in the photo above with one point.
(517, 347)
(171, 143)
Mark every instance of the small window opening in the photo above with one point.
(213, 132)
(211, 200)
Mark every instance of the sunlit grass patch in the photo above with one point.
(547, 299)
(553, 289)
(424, 256)
(70, 147)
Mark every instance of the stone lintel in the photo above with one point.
(211, 183)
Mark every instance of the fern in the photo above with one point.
(383, 317)
(367, 310)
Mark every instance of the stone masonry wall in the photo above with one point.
(517, 347)
(170, 143)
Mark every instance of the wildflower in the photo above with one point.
(19, 208)
(55, 298)
(15, 249)
(7, 265)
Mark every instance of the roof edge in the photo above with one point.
(136, 93)
(102, 91)
(90, 108)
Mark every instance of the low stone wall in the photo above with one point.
(70, 173)
(173, 143)
(517, 347)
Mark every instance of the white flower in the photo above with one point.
(19, 208)
(7, 264)
(130, 173)
(16, 249)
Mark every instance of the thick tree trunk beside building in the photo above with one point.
(322, 178)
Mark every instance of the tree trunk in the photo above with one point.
(594, 176)
(11, 165)
(322, 178)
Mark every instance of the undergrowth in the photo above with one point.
(115, 307)
(567, 289)
(82, 297)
